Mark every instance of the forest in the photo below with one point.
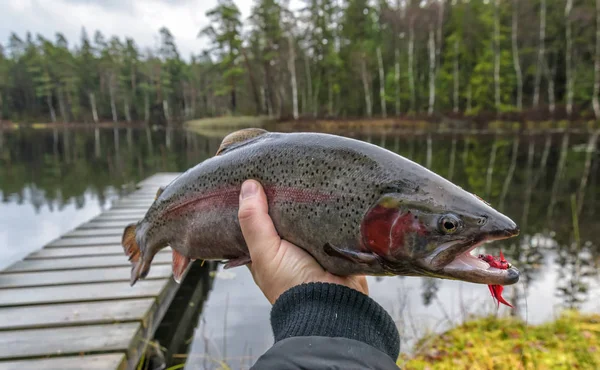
(329, 58)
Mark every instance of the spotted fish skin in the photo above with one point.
(356, 207)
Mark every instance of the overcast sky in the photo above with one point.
(139, 19)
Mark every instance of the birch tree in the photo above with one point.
(432, 58)
(540, 55)
(456, 77)
(595, 102)
(569, 57)
(515, 53)
(381, 83)
(411, 61)
(292, 69)
(496, 56)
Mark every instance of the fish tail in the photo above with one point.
(132, 250)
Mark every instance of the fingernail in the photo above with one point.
(249, 189)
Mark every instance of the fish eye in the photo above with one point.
(449, 224)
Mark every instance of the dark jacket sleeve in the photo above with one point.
(329, 326)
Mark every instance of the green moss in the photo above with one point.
(570, 342)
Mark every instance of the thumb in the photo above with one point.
(256, 224)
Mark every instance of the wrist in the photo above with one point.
(332, 310)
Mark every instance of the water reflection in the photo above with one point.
(532, 178)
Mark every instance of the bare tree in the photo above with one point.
(431, 44)
(397, 79)
(292, 68)
(126, 109)
(308, 83)
(541, 51)
(595, 102)
(456, 78)
(381, 83)
(569, 56)
(411, 62)
(515, 52)
(366, 82)
(51, 106)
(496, 56)
(93, 105)
(111, 93)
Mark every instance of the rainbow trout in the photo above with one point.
(355, 207)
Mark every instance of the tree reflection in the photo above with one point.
(56, 167)
(528, 177)
(574, 265)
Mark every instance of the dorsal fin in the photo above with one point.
(240, 136)
(159, 192)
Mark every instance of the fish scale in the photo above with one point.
(355, 207)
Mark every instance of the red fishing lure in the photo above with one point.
(500, 263)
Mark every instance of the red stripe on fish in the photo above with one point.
(224, 197)
(229, 197)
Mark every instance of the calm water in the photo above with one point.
(53, 180)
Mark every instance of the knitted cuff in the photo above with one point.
(331, 310)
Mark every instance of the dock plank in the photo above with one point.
(76, 252)
(92, 313)
(81, 293)
(77, 242)
(70, 340)
(80, 263)
(111, 361)
(78, 233)
(128, 218)
(115, 250)
(49, 278)
(135, 212)
(70, 305)
(104, 225)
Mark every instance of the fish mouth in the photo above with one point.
(455, 261)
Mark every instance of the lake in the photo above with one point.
(53, 180)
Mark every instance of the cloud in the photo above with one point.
(140, 20)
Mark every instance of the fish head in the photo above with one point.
(432, 233)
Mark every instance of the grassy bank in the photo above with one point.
(570, 342)
(221, 126)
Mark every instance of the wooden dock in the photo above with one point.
(70, 305)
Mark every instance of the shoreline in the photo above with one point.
(221, 126)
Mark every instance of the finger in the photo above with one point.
(257, 227)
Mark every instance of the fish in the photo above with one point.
(357, 208)
(501, 263)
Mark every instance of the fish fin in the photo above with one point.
(239, 137)
(358, 257)
(180, 264)
(240, 261)
(159, 192)
(132, 250)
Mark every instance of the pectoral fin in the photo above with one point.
(241, 261)
(180, 264)
(354, 256)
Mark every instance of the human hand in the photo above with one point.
(278, 265)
